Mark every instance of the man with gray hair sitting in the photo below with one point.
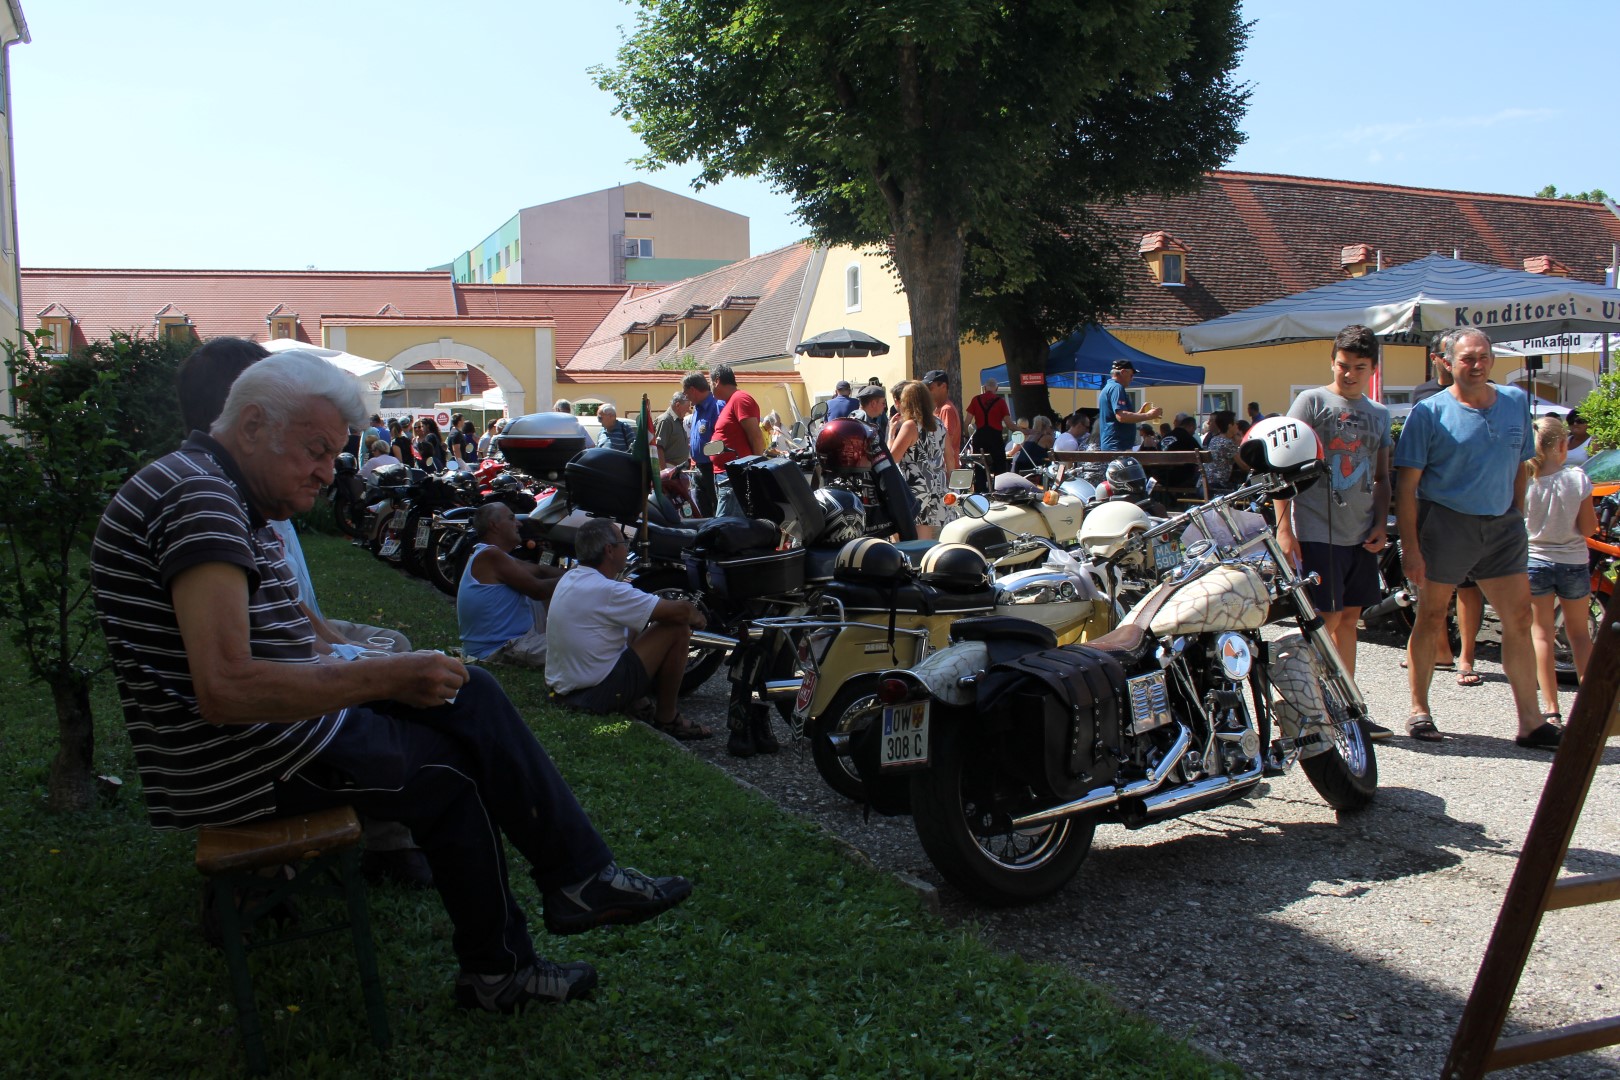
(611, 643)
(501, 601)
(234, 715)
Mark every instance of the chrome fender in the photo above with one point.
(1301, 710)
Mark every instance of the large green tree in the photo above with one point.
(923, 123)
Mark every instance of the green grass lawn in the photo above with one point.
(789, 960)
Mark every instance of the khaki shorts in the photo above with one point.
(527, 651)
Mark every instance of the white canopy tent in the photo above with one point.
(375, 374)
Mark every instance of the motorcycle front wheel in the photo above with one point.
(700, 662)
(444, 560)
(1347, 776)
(839, 769)
(351, 517)
(951, 806)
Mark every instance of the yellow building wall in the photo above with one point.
(515, 348)
(882, 312)
(683, 228)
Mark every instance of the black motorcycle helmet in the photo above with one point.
(955, 567)
(344, 464)
(1126, 476)
(843, 516)
(871, 562)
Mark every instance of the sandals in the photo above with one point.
(684, 730)
(1420, 726)
(1545, 737)
(1469, 677)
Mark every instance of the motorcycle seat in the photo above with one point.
(1129, 644)
(1003, 628)
(914, 550)
(668, 543)
(912, 597)
(819, 562)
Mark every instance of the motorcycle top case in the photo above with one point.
(541, 444)
(761, 573)
(1058, 715)
(606, 483)
(776, 489)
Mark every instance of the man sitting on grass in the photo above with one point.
(501, 601)
(234, 716)
(595, 663)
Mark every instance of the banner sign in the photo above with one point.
(1035, 378)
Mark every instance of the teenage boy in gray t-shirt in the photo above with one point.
(1337, 526)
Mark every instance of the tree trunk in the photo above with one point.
(929, 260)
(1024, 348)
(72, 770)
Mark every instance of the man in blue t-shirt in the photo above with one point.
(1116, 422)
(840, 404)
(1460, 507)
(705, 414)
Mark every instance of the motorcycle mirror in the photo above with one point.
(961, 478)
(713, 447)
(975, 506)
(1018, 438)
(798, 430)
(818, 411)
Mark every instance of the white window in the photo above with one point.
(1213, 398)
(638, 248)
(1297, 389)
(852, 287)
(1398, 395)
(1171, 269)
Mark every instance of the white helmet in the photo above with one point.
(1285, 446)
(1107, 527)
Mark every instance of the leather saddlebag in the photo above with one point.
(1058, 716)
(735, 535)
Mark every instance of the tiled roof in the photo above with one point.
(773, 282)
(1255, 237)
(226, 302)
(576, 309)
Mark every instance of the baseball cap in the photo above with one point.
(935, 377)
(842, 387)
(1122, 365)
(870, 391)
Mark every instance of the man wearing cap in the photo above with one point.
(939, 384)
(874, 409)
(841, 404)
(1116, 420)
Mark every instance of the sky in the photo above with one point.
(363, 135)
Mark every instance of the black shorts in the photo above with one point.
(1349, 575)
(1459, 548)
(624, 684)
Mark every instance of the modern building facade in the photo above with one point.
(627, 234)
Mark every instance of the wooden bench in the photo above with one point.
(322, 852)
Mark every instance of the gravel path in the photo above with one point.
(1274, 935)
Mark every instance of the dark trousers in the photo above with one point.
(459, 776)
(707, 500)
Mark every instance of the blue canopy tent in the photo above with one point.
(1082, 361)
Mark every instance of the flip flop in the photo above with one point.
(1470, 678)
(1420, 726)
(683, 729)
(1545, 737)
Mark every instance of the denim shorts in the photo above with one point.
(1571, 581)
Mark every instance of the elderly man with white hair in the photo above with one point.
(616, 434)
(234, 714)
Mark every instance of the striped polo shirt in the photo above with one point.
(183, 510)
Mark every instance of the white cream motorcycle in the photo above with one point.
(1009, 751)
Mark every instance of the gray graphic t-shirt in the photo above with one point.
(1339, 508)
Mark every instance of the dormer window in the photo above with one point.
(55, 330)
(1359, 260)
(282, 322)
(729, 315)
(1546, 264)
(172, 324)
(636, 338)
(1166, 258)
(694, 322)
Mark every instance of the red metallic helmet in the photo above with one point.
(844, 444)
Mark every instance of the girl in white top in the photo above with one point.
(1559, 517)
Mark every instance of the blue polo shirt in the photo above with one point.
(704, 416)
(1114, 434)
(1470, 457)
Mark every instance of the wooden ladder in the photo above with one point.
(1535, 889)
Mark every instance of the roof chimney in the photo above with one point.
(1546, 264)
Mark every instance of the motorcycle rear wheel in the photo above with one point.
(1347, 776)
(1015, 867)
(700, 663)
(350, 517)
(443, 569)
(839, 770)
(409, 557)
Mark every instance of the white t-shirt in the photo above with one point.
(1066, 441)
(1550, 506)
(588, 625)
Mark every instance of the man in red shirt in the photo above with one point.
(989, 414)
(738, 428)
(939, 384)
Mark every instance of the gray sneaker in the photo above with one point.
(618, 896)
(545, 983)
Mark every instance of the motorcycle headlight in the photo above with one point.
(1235, 655)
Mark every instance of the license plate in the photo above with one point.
(807, 690)
(424, 529)
(389, 547)
(1166, 555)
(398, 521)
(548, 558)
(905, 736)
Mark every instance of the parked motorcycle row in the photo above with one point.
(1060, 658)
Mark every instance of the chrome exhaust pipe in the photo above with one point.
(1400, 598)
(1171, 800)
(1097, 798)
(780, 689)
(705, 639)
